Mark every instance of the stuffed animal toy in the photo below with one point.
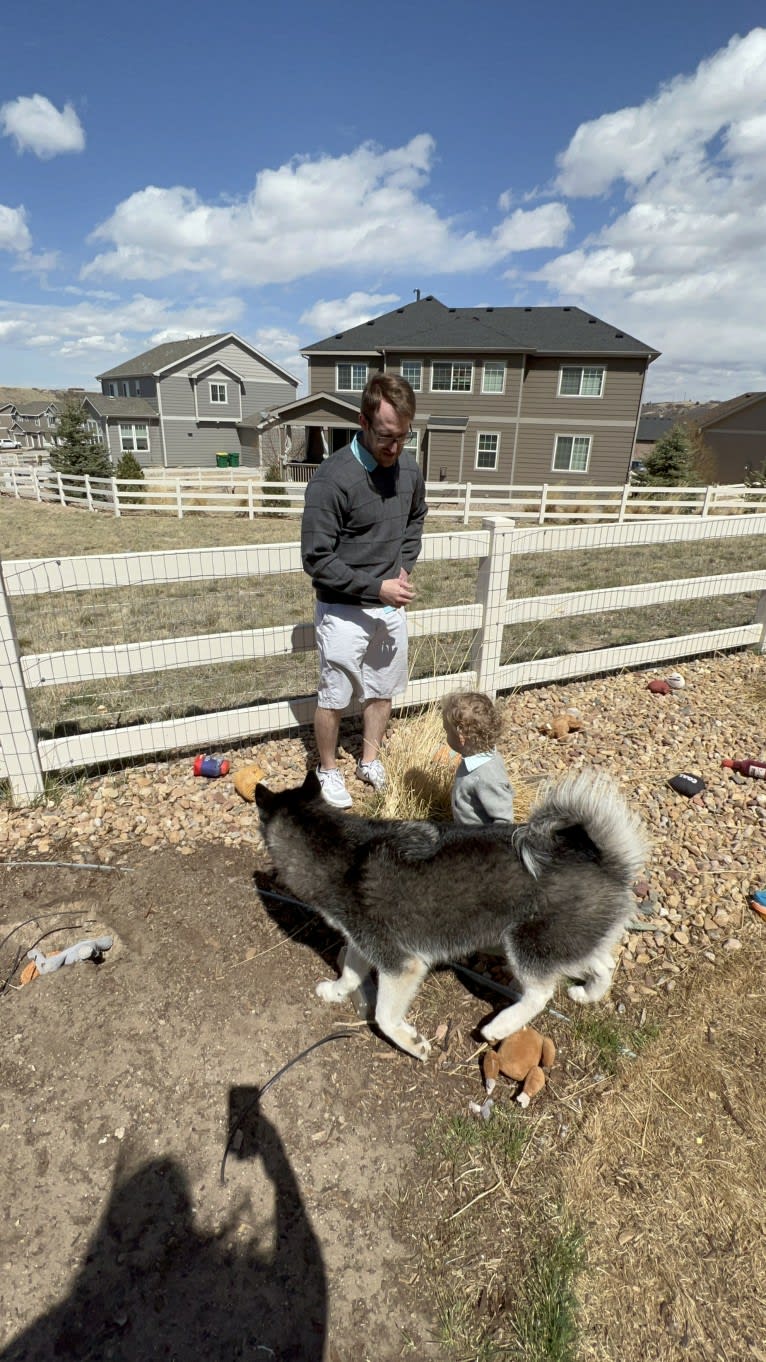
(245, 781)
(444, 756)
(522, 1056)
(568, 721)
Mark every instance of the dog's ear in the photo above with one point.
(263, 795)
(311, 788)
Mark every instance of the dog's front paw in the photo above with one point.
(493, 1033)
(331, 991)
(578, 993)
(419, 1047)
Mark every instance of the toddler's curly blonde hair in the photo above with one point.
(475, 716)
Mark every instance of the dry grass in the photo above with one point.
(668, 1174)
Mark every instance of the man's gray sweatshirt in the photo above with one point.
(360, 529)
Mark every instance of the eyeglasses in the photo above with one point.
(384, 437)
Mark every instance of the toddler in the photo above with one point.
(481, 793)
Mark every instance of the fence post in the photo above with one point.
(179, 500)
(15, 484)
(250, 510)
(467, 503)
(88, 492)
(760, 618)
(709, 500)
(18, 743)
(543, 503)
(623, 503)
(60, 485)
(36, 484)
(115, 498)
(492, 595)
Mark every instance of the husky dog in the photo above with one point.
(556, 892)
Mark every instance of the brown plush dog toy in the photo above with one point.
(522, 1056)
(568, 721)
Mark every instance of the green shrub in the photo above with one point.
(130, 469)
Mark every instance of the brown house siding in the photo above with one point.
(623, 382)
(536, 446)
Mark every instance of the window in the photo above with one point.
(125, 389)
(572, 453)
(449, 377)
(351, 377)
(581, 382)
(412, 370)
(134, 439)
(136, 388)
(217, 392)
(487, 447)
(411, 443)
(112, 389)
(493, 377)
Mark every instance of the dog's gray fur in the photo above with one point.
(555, 891)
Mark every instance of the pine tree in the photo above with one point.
(676, 460)
(77, 451)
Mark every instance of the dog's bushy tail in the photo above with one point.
(590, 800)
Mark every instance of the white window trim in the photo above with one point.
(571, 435)
(579, 397)
(413, 444)
(402, 374)
(493, 392)
(219, 401)
(448, 392)
(482, 468)
(133, 427)
(352, 364)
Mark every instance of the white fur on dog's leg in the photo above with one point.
(520, 1014)
(355, 970)
(596, 984)
(395, 994)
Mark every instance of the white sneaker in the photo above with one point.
(372, 773)
(334, 788)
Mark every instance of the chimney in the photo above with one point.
(416, 291)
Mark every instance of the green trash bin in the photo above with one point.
(222, 460)
(233, 460)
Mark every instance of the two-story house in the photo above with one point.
(504, 394)
(28, 416)
(179, 404)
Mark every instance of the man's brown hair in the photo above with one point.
(387, 388)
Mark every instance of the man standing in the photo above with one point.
(360, 538)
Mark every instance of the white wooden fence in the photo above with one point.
(237, 492)
(25, 757)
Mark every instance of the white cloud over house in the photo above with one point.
(366, 211)
(36, 125)
(681, 260)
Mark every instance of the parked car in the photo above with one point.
(9, 444)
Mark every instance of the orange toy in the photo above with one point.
(245, 781)
(522, 1056)
(444, 756)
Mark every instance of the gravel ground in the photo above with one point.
(709, 852)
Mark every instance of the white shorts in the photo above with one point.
(362, 652)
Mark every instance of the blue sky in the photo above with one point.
(174, 169)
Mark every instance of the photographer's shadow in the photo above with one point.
(153, 1285)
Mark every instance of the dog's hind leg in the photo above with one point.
(355, 970)
(532, 1001)
(396, 991)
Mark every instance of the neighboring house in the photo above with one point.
(504, 394)
(181, 403)
(29, 416)
(733, 433)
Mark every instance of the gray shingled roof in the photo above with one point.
(31, 401)
(428, 325)
(651, 428)
(152, 361)
(121, 406)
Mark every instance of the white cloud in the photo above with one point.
(94, 332)
(327, 315)
(38, 126)
(14, 233)
(361, 212)
(681, 262)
